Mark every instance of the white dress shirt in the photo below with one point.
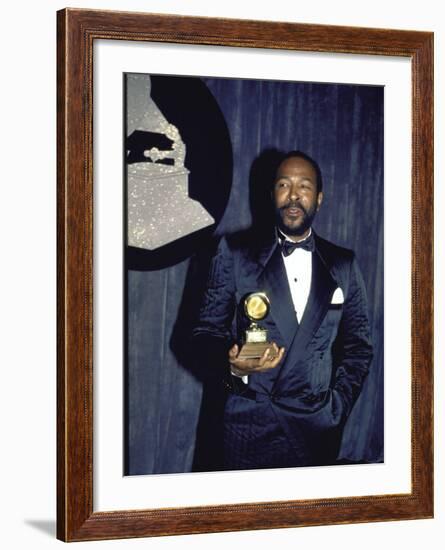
(299, 274)
(298, 267)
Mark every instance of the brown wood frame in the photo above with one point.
(77, 30)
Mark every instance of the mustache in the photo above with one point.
(293, 205)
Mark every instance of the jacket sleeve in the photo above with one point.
(212, 333)
(353, 348)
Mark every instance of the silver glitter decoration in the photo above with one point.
(159, 208)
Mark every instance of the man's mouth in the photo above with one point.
(293, 211)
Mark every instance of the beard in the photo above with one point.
(301, 225)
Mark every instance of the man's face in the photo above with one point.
(295, 196)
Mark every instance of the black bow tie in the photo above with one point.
(287, 247)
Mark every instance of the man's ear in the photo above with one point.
(319, 200)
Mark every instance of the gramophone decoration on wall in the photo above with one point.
(160, 210)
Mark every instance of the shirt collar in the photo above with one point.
(282, 237)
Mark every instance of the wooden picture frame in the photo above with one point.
(77, 31)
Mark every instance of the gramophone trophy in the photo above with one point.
(256, 308)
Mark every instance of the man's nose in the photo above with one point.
(294, 192)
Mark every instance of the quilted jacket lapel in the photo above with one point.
(322, 288)
(276, 286)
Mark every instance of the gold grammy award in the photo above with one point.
(256, 307)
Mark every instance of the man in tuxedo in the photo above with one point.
(288, 407)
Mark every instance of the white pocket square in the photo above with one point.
(337, 297)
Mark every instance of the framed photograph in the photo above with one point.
(245, 214)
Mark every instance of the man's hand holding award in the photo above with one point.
(256, 354)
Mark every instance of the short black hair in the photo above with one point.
(312, 162)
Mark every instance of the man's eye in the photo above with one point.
(306, 186)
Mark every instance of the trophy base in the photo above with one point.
(255, 350)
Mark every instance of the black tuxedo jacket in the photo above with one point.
(293, 414)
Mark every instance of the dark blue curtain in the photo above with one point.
(341, 127)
